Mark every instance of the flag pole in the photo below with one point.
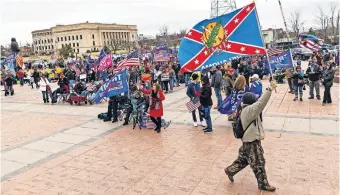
(258, 22)
(270, 68)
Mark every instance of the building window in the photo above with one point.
(92, 36)
(74, 50)
(104, 35)
(81, 36)
(77, 44)
(69, 44)
(51, 40)
(104, 42)
(39, 47)
(76, 37)
(62, 45)
(74, 44)
(78, 50)
(66, 38)
(45, 47)
(45, 41)
(62, 38)
(49, 47)
(52, 47)
(58, 39)
(73, 38)
(39, 41)
(48, 41)
(94, 43)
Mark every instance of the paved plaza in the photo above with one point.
(63, 149)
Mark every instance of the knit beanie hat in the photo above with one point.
(249, 98)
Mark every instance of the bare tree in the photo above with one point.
(164, 30)
(322, 20)
(182, 32)
(295, 22)
(164, 33)
(337, 23)
(333, 9)
(115, 45)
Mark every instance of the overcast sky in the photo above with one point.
(20, 17)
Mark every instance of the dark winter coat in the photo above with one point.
(205, 95)
(314, 72)
(328, 77)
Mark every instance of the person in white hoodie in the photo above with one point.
(45, 88)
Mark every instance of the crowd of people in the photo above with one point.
(150, 82)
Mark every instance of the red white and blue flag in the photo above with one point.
(131, 60)
(213, 42)
(310, 42)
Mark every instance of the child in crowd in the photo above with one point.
(298, 81)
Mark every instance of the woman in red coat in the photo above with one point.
(156, 106)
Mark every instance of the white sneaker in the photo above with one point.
(195, 124)
(203, 124)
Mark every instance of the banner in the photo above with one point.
(8, 59)
(116, 85)
(105, 62)
(230, 104)
(283, 61)
(160, 47)
(213, 42)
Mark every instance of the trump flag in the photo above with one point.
(215, 41)
(283, 61)
(116, 85)
(105, 62)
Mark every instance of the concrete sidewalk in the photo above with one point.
(64, 149)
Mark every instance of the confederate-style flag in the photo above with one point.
(213, 42)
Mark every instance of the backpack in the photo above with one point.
(237, 126)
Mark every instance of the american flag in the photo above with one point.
(309, 43)
(161, 57)
(131, 60)
(273, 51)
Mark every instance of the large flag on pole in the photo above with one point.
(215, 41)
(116, 85)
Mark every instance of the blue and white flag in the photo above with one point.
(11, 66)
(283, 61)
(230, 104)
(8, 59)
(256, 87)
(116, 85)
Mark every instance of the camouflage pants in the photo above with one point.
(251, 153)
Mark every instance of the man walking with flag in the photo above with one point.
(251, 151)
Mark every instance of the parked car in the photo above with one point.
(302, 53)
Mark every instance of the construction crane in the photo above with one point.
(220, 7)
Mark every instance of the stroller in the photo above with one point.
(78, 94)
(124, 105)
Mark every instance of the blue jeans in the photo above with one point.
(218, 96)
(171, 83)
(198, 86)
(207, 117)
(21, 81)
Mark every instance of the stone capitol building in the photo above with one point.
(82, 37)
